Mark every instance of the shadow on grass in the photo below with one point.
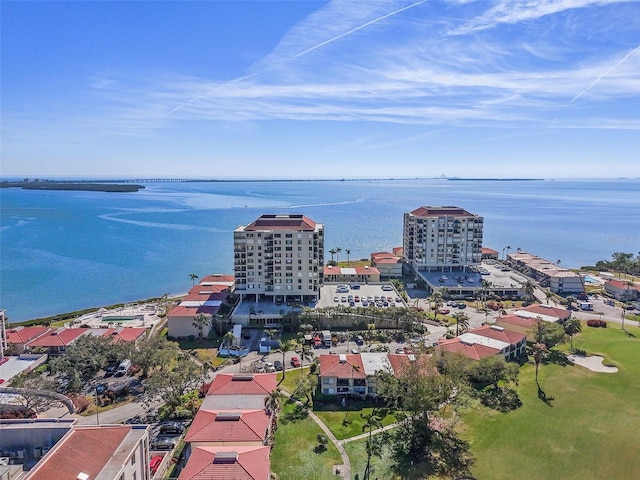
(542, 395)
(556, 357)
(628, 333)
(298, 413)
(502, 399)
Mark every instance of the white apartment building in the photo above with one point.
(279, 256)
(442, 238)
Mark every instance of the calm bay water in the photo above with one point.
(62, 251)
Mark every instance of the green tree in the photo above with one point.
(193, 278)
(273, 401)
(494, 369)
(35, 391)
(285, 347)
(348, 252)
(373, 421)
(571, 327)
(539, 352)
(338, 250)
(83, 359)
(549, 333)
(332, 252)
(201, 321)
(436, 300)
(462, 322)
(529, 290)
(228, 339)
(154, 353)
(171, 384)
(424, 443)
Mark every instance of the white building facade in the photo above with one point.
(442, 238)
(279, 256)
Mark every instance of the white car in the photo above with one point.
(269, 367)
(336, 299)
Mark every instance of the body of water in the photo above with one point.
(65, 250)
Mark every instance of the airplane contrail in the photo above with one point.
(353, 30)
(600, 77)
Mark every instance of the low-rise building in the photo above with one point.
(203, 300)
(621, 290)
(388, 264)
(56, 341)
(229, 427)
(363, 274)
(548, 274)
(547, 313)
(486, 341)
(237, 462)
(19, 337)
(119, 452)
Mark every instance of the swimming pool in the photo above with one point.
(591, 280)
(121, 318)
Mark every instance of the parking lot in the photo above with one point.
(360, 295)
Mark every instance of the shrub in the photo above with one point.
(597, 323)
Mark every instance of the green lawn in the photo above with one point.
(347, 423)
(381, 467)
(291, 378)
(293, 456)
(590, 430)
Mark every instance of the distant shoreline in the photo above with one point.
(75, 186)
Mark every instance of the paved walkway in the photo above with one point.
(345, 471)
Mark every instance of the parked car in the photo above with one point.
(163, 443)
(269, 367)
(171, 428)
(110, 370)
(154, 464)
(278, 365)
(123, 368)
(295, 362)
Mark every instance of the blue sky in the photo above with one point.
(306, 89)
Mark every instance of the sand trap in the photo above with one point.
(593, 363)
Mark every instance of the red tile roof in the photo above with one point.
(620, 285)
(475, 351)
(361, 270)
(218, 463)
(497, 333)
(244, 384)
(216, 292)
(486, 250)
(539, 309)
(516, 321)
(282, 222)
(25, 334)
(124, 334)
(83, 449)
(218, 277)
(58, 338)
(232, 427)
(331, 366)
(440, 212)
(398, 362)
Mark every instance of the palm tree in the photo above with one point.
(200, 321)
(228, 339)
(436, 298)
(332, 252)
(193, 278)
(348, 252)
(539, 352)
(462, 321)
(570, 301)
(548, 295)
(338, 250)
(372, 420)
(529, 289)
(285, 347)
(273, 401)
(507, 248)
(270, 332)
(572, 327)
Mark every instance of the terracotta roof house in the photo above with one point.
(202, 300)
(18, 337)
(234, 427)
(56, 341)
(489, 253)
(243, 384)
(388, 264)
(486, 341)
(623, 291)
(361, 274)
(227, 463)
(97, 452)
(544, 312)
(125, 334)
(516, 323)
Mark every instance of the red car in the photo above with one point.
(295, 362)
(154, 463)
